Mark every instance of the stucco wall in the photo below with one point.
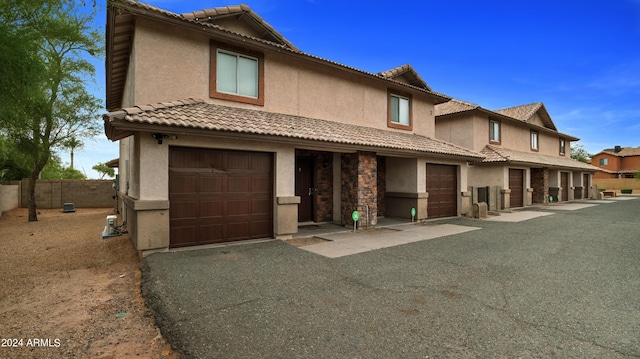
(401, 174)
(9, 197)
(482, 176)
(171, 63)
(461, 131)
(616, 184)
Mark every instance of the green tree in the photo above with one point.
(104, 170)
(580, 154)
(13, 163)
(55, 169)
(46, 97)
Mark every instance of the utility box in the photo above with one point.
(480, 210)
(68, 208)
(110, 230)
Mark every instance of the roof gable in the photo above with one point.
(405, 74)
(530, 114)
(240, 19)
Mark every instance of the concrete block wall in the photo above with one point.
(82, 193)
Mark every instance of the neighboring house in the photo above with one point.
(526, 159)
(229, 132)
(618, 162)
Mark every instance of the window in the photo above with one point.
(494, 131)
(562, 147)
(604, 161)
(399, 115)
(236, 75)
(534, 141)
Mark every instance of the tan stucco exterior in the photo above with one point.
(170, 62)
(471, 130)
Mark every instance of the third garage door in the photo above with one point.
(442, 186)
(219, 196)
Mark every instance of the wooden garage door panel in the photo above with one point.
(219, 196)
(516, 185)
(182, 183)
(211, 183)
(183, 236)
(442, 186)
(239, 184)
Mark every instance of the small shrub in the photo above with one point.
(626, 191)
(602, 189)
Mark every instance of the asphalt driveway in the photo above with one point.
(565, 285)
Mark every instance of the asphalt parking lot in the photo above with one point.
(565, 285)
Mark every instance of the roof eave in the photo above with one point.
(117, 128)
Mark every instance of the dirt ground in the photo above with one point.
(67, 293)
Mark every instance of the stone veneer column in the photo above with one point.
(540, 185)
(359, 187)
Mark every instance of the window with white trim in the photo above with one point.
(494, 131)
(236, 74)
(562, 147)
(400, 111)
(534, 141)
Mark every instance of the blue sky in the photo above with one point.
(581, 58)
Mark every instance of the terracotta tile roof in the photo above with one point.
(243, 11)
(522, 112)
(198, 115)
(454, 106)
(495, 154)
(624, 152)
(408, 71)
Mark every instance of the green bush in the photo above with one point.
(626, 191)
(602, 189)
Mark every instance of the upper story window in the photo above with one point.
(494, 131)
(562, 147)
(534, 141)
(604, 162)
(236, 75)
(399, 112)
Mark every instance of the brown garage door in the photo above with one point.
(219, 196)
(442, 186)
(516, 185)
(564, 183)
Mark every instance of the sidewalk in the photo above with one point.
(345, 243)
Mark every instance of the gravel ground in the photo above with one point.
(67, 293)
(559, 286)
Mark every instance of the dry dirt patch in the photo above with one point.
(67, 293)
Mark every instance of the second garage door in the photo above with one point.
(219, 196)
(442, 186)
